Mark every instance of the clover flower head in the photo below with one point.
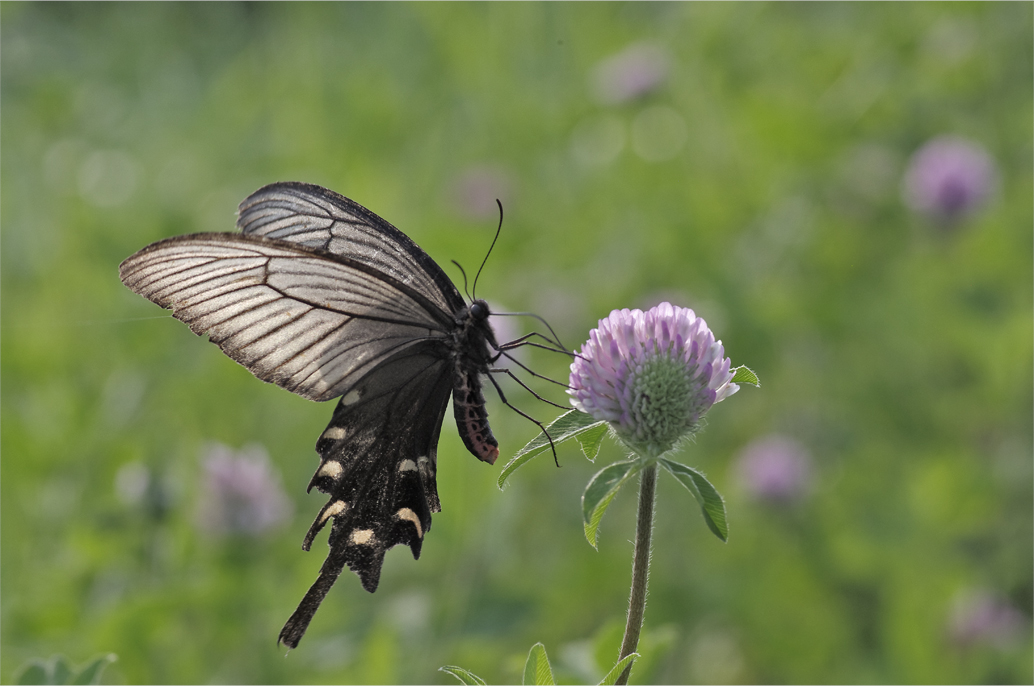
(979, 616)
(653, 375)
(637, 70)
(775, 469)
(948, 178)
(475, 190)
(241, 492)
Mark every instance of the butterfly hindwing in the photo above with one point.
(378, 463)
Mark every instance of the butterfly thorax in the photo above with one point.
(471, 353)
(473, 338)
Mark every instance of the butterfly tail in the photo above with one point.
(360, 549)
(295, 627)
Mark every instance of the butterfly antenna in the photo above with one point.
(464, 279)
(497, 231)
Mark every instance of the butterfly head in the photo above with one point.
(477, 321)
(479, 311)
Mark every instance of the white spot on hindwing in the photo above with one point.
(408, 515)
(335, 508)
(361, 537)
(407, 466)
(334, 433)
(352, 397)
(331, 469)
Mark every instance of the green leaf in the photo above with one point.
(601, 491)
(711, 503)
(90, 673)
(591, 439)
(464, 676)
(615, 672)
(58, 670)
(62, 670)
(34, 672)
(745, 375)
(563, 428)
(537, 670)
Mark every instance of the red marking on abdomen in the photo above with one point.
(482, 449)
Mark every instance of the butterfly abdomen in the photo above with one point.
(472, 418)
(471, 341)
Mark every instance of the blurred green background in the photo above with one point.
(745, 160)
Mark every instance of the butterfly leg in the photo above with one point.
(536, 422)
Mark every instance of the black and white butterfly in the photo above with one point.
(324, 298)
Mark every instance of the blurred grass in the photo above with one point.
(901, 355)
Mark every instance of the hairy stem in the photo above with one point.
(640, 567)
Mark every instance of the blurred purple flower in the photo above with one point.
(653, 375)
(980, 617)
(775, 468)
(632, 73)
(948, 178)
(241, 492)
(476, 189)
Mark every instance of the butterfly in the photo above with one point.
(320, 296)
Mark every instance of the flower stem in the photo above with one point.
(640, 567)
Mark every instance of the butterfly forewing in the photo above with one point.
(295, 318)
(320, 218)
